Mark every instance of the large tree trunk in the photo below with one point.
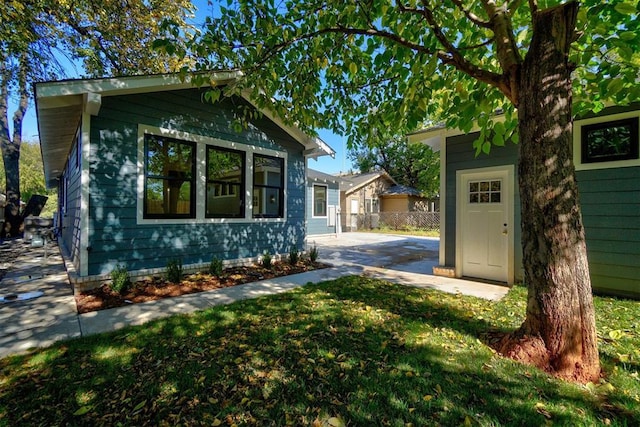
(11, 146)
(559, 332)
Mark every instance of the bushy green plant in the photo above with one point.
(215, 267)
(267, 260)
(294, 256)
(174, 270)
(313, 253)
(120, 280)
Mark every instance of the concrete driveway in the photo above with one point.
(394, 252)
(407, 260)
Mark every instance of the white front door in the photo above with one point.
(485, 241)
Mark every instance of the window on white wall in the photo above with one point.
(319, 201)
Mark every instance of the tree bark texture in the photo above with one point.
(11, 147)
(559, 332)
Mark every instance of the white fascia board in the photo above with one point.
(315, 147)
(124, 85)
(433, 136)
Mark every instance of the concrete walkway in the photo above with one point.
(37, 307)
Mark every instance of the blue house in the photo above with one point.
(148, 172)
(480, 202)
(323, 203)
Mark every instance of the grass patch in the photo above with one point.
(355, 351)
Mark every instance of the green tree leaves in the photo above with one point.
(413, 165)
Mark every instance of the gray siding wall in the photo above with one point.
(114, 236)
(69, 207)
(610, 200)
(316, 226)
(460, 155)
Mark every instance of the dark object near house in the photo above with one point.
(34, 205)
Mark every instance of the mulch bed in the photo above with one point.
(158, 287)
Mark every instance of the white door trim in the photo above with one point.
(509, 171)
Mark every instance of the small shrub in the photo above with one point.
(267, 260)
(215, 267)
(294, 256)
(174, 270)
(120, 280)
(313, 253)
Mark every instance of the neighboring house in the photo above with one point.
(400, 198)
(323, 203)
(480, 204)
(148, 172)
(360, 194)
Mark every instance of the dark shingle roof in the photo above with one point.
(397, 190)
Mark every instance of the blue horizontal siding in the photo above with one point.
(610, 200)
(114, 235)
(319, 226)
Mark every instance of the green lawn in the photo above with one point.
(354, 351)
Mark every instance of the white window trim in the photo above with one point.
(577, 142)
(201, 179)
(313, 201)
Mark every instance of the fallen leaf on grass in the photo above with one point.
(82, 410)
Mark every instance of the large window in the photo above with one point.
(268, 187)
(320, 200)
(169, 187)
(225, 183)
(609, 141)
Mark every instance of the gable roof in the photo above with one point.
(60, 105)
(317, 176)
(353, 183)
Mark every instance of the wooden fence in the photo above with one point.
(392, 220)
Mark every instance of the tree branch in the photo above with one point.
(506, 46)
(23, 103)
(5, 78)
(452, 56)
(472, 16)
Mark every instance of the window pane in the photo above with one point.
(484, 197)
(169, 181)
(168, 197)
(495, 185)
(617, 140)
(484, 186)
(225, 183)
(267, 170)
(320, 200)
(473, 198)
(224, 165)
(219, 205)
(266, 202)
(169, 158)
(495, 197)
(609, 141)
(473, 187)
(268, 186)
